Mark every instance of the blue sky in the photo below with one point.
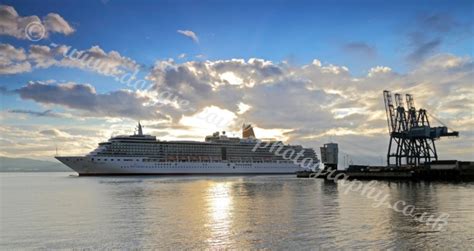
(400, 39)
(297, 31)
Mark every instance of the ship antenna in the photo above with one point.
(56, 145)
(140, 131)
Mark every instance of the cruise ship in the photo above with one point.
(141, 154)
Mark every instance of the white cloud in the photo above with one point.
(13, 60)
(12, 24)
(307, 104)
(243, 108)
(231, 78)
(55, 23)
(16, 60)
(379, 70)
(40, 141)
(55, 133)
(42, 56)
(97, 60)
(189, 34)
(209, 119)
(316, 101)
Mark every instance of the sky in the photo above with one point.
(74, 73)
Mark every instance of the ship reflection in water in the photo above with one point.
(56, 211)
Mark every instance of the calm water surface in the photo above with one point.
(59, 210)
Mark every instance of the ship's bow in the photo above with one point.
(76, 163)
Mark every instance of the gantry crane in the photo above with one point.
(412, 139)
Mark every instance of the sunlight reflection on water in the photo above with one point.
(219, 200)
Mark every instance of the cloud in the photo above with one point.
(6, 91)
(439, 22)
(316, 101)
(83, 97)
(14, 25)
(360, 48)
(46, 113)
(198, 81)
(97, 60)
(55, 132)
(17, 60)
(306, 104)
(428, 32)
(379, 70)
(13, 60)
(189, 34)
(55, 23)
(41, 56)
(42, 141)
(423, 48)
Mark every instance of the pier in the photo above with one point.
(446, 170)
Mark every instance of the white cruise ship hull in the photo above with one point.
(139, 166)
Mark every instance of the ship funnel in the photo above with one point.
(247, 131)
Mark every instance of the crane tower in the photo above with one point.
(412, 139)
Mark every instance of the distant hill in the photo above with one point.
(30, 165)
